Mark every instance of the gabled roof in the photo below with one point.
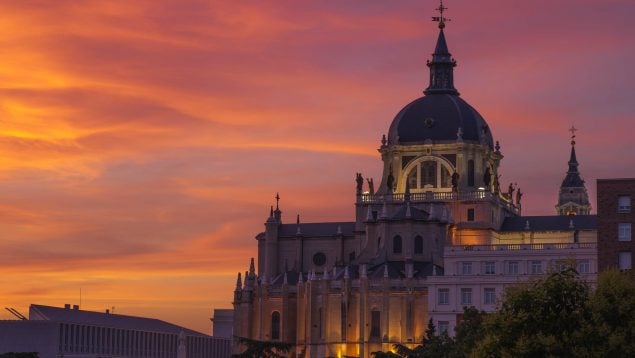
(316, 229)
(550, 223)
(67, 315)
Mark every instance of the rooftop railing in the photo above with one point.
(438, 196)
(512, 247)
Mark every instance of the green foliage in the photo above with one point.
(541, 319)
(468, 332)
(262, 349)
(609, 330)
(442, 345)
(20, 355)
(559, 316)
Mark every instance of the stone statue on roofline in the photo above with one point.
(455, 181)
(487, 178)
(371, 186)
(360, 182)
(390, 182)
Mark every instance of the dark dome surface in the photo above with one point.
(437, 117)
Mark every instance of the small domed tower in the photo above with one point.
(573, 198)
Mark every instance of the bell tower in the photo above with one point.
(573, 198)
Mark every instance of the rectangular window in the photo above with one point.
(489, 268)
(584, 266)
(489, 296)
(444, 296)
(470, 214)
(624, 204)
(443, 326)
(624, 231)
(625, 260)
(466, 268)
(466, 296)
(536, 267)
(375, 317)
(512, 267)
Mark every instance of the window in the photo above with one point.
(412, 178)
(466, 268)
(396, 244)
(444, 296)
(470, 173)
(470, 214)
(489, 268)
(624, 231)
(418, 245)
(351, 256)
(536, 267)
(429, 174)
(466, 296)
(584, 266)
(625, 260)
(443, 326)
(512, 267)
(375, 317)
(319, 259)
(489, 296)
(624, 204)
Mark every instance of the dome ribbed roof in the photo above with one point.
(438, 117)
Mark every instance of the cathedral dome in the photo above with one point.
(439, 118)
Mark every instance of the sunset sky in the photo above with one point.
(142, 142)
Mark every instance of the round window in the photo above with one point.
(319, 259)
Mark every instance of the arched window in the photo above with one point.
(418, 245)
(429, 173)
(275, 325)
(396, 244)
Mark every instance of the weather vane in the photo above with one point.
(573, 130)
(440, 19)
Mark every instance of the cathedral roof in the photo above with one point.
(549, 223)
(573, 179)
(317, 229)
(437, 118)
(441, 115)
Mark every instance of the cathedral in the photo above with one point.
(437, 233)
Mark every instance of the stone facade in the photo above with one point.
(352, 288)
(615, 222)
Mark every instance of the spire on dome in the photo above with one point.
(573, 198)
(573, 178)
(442, 64)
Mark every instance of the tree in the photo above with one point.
(433, 346)
(540, 319)
(468, 332)
(262, 349)
(610, 328)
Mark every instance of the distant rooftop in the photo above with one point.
(550, 223)
(74, 315)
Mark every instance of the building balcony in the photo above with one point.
(515, 247)
(440, 196)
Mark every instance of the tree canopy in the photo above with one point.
(262, 349)
(558, 315)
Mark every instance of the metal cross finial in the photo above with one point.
(573, 130)
(440, 19)
(277, 200)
